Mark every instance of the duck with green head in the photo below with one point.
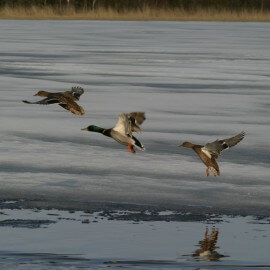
(122, 131)
(211, 151)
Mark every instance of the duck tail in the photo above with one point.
(138, 144)
(215, 171)
(37, 102)
(27, 102)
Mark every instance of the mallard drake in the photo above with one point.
(211, 151)
(67, 99)
(122, 131)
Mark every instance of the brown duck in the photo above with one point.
(67, 99)
(211, 151)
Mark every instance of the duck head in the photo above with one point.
(41, 94)
(186, 144)
(94, 128)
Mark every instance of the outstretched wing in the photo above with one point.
(74, 108)
(234, 140)
(76, 92)
(214, 149)
(45, 101)
(136, 118)
(123, 124)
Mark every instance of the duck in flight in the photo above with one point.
(122, 132)
(211, 151)
(67, 99)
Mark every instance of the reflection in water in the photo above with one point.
(207, 250)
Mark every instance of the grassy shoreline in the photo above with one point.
(36, 13)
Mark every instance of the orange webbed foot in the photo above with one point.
(207, 171)
(131, 149)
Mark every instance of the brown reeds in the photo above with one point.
(48, 13)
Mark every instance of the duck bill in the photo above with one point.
(85, 129)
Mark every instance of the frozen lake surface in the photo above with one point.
(195, 81)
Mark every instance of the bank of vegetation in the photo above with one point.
(205, 10)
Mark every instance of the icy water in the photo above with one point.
(81, 240)
(195, 81)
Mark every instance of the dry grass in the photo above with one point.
(146, 14)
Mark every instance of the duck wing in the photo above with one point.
(136, 119)
(214, 148)
(123, 125)
(138, 116)
(230, 142)
(45, 101)
(76, 92)
(72, 107)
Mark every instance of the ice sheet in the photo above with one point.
(195, 81)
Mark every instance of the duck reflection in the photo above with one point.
(207, 250)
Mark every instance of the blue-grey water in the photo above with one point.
(80, 240)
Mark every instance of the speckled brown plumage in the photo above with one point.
(66, 100)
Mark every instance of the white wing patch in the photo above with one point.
(206, 152)
(122, 125)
